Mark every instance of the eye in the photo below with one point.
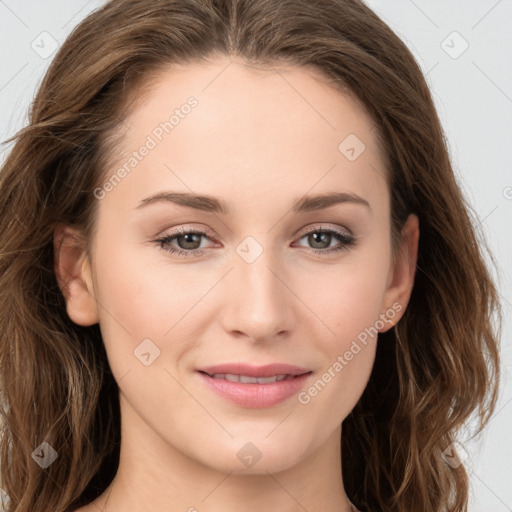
(188, 242)
(320, 240)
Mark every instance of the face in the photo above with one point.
(263, 272)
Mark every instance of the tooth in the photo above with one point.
(245, 379)
(266, 380)
(248, 380)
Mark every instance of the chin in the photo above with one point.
(243, 457)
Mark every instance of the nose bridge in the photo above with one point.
(258, 303)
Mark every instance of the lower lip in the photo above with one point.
(256, 396)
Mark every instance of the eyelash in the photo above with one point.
(345, 239)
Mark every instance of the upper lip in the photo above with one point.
(268, 370)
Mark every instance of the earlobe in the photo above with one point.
(404, 269)
(73, 272)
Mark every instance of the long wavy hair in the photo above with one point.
(434, 371)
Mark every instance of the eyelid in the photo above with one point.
(345, 239)
(203, 231)
(172, 232)
(318, 227)
(209, 233)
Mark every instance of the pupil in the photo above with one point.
(189, 239)
(317, 237)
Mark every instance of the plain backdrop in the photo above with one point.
(462, 46)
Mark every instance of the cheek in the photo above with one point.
(348, 301)
(143, 331)
(145, 295)
(348, 349)
(347, 297)
(136, 304)
(354, 313)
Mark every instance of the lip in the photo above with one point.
(255, 395)
(255, 371)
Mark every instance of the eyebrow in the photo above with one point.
(214, 205)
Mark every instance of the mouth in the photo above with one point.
(247, 379)
(249, 374)
(255, 386)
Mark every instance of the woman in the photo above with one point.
(214, 289)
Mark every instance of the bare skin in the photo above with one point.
(259, 141)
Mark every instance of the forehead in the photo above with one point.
(249, 129)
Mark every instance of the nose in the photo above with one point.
(257, 302)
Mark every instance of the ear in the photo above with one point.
(401, 277)
(73, 273)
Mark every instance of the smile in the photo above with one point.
(246, 379)
(254, 392)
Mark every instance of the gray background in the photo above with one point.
(472, 88)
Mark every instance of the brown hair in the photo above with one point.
(432, 371)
